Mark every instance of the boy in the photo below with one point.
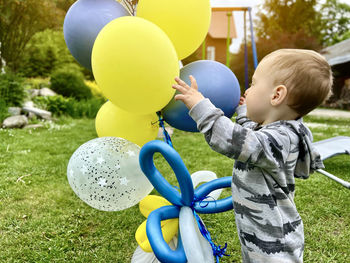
(270, 145)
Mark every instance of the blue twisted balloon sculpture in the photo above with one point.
(182, 202)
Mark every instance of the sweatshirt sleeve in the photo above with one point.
(267, 149)
(242, 118)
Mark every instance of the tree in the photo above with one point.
(335, 25)
(44, 53)
(19, 21)
(281, 24)
(288, 16)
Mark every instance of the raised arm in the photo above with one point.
(264, 149)
(267, 149)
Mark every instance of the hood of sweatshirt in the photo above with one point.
(309, 159)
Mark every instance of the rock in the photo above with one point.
(47, 92)
(33, 93)
(29, 104)
(17, 121)
(33, 126)
(39, 112)
(30, 115)
(14, 111)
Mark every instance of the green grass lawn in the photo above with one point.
(42, 220)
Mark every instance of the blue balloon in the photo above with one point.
(188, 197)
(154, 233)
(83, 21)
(216, 82)
(217, 206)
(156, 178)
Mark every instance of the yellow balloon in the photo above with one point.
(115, 122)
(169, 230)
(169, 227)
(185, 21)
(135, 63)
(152, 202)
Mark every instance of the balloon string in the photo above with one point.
(218, 251)
(166, 135)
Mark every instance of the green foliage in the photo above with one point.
(45, 53)
(20, 20)
(61, 106)
(281, 24)
(3, 110)
(288, 16)
(70, 83)
(36, 83)
(335, 22)
(11, 89)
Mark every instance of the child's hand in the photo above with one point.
(190, 96)
(242, 101)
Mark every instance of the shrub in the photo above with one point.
(11, 89)
(84, 108)
(69, 83)
(95, 90)
(59, 106)
(44, 53)
(36, 83)
(3, 110)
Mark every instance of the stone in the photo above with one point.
(47, 92)
(30, 115)
(28, 104)
(14, 111)
(17, 121)
(39, 112)
(33, 93)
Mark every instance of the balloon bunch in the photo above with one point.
(134, 59)
(194, 242)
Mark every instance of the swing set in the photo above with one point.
(229, 11)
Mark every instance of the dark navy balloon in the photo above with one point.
(83, 21)
(215, 81)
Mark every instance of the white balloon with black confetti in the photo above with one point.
(105, 173)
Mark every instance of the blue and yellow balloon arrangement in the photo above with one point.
(134, 61)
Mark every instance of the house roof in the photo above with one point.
(338, 53)
(219, 25)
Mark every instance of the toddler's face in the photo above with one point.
(258, 96)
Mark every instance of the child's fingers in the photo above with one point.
(179, 97)
(180, 88)
(181, 82)
(193, 82)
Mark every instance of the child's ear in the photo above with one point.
(279, 94)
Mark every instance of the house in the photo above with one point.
(338, 56)
(221, 31)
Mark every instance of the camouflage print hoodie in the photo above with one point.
(267, 159)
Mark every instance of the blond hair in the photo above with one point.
(307, 76)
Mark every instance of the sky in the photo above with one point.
(238, 16)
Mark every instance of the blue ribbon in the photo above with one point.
(218, 252)
(166, 135)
